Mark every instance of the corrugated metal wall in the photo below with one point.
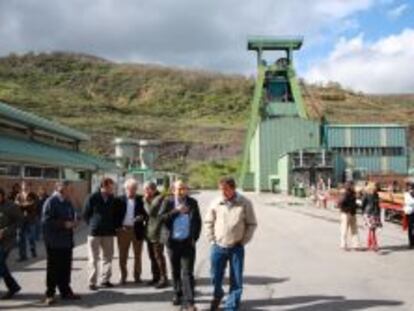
(282, 135)
(366, 136)
(369, 136)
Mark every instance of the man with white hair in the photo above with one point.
(181, 217)
(130, 224)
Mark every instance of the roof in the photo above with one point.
(33, 121)
(19, 150)
(374, 125)
(273, 43)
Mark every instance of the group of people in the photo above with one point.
(30, 204)
(168, 221)
(369, 202)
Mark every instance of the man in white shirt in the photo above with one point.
(130, 229)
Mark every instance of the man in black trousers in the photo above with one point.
(182, 226)
(59, 221)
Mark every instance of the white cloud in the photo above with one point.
(383, 66)
(398, 11)
(208, 34)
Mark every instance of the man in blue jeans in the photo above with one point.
(10, 218)
(230, 223)
(27, 201)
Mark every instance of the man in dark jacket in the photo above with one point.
(99, 214)
(347, 205)
(10, 218)
(181, 216)
(59, 221)
(152, 203)
(130, 223)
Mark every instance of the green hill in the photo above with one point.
(200, 116)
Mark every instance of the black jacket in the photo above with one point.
(56, 211)
(121, 208)
(370, 205)
(10, 219)
(168, 214)
(347, 203)
(100, 215)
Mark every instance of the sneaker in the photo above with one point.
(50, 301)
(93, 287)
(11, 293)
(107, 284)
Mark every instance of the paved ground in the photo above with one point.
(294, 263)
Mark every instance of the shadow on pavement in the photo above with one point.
(386, 250)
(89, 300)
(297, 303)
(247, 280)
(318, 303)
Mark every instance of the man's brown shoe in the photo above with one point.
(162, 284)
(215, 304)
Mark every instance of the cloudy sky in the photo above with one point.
(366, 45)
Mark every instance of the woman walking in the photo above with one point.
(371, 208)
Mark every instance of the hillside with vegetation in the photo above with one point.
(200, 116)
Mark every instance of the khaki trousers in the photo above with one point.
(349, 226)
(126, 237)
(95, 245)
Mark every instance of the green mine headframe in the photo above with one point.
(276, 95)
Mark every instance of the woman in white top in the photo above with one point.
(409, 211)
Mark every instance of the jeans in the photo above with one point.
(38, 230)
(5, 274)
(182, 257)
(219, 258)
(27, 231)
(58, 271)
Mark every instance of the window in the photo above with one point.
(9, 170)
(32, 171)
(51, 173)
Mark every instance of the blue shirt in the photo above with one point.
(181, 226)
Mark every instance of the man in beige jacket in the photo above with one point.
(230, 223)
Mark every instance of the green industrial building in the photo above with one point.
(280, 131)
(41, 152)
